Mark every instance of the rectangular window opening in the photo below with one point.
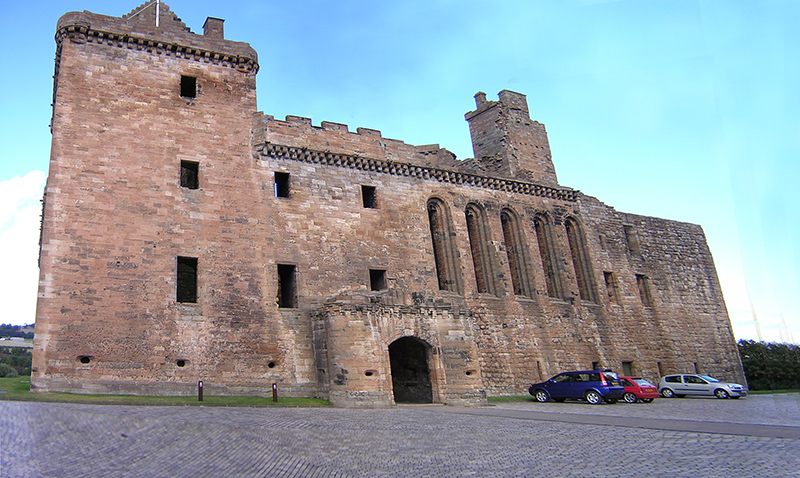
(281, 185)
(188, 86)
(287, 286)
(190, 174)
(187, 279)
(377, 279)
(368, 197)
(595, 365)
(627, 369)
(660, 369)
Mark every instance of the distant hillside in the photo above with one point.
(24, 331)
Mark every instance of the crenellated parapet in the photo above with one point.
(84, 27)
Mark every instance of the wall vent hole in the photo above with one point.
(370, 373)
(85, 359)
(271, 365)
(181, 363)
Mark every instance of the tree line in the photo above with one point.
(770, 365)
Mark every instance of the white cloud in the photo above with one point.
(20, 211)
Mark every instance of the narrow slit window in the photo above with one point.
(188, 86)
(281, 185)
(190, 174)
(187, 279)
(368, 197)
(643, 283)
(611, 287)
(287, 286)
(377, 279)
(632, 239)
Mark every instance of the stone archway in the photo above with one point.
(411, 379)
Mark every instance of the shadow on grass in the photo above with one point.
(18, 388)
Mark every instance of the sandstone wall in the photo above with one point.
(318, 247)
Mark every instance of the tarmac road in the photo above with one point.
(755, 436)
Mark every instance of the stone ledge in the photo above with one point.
(396, 168)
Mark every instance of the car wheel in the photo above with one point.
(612, 401)
(720, 393)
(541, 396)
(630, 398)
(593, 397)
(667, 393)
(647, 400)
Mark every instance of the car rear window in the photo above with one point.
(643, 383)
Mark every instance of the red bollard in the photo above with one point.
(274, 392)
(200, 391)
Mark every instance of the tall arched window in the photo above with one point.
(517, 255)
(580, 261)
(444, 249)
(479, 238)
(544, 238)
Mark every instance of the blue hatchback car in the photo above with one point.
(595, 386)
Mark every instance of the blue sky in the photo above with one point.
(686, 110)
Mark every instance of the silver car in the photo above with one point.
(693, 384)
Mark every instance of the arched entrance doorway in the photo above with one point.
(411, 380)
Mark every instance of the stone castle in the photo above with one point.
(187, 236)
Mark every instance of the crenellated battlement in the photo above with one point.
(298, 132)
(171, 37)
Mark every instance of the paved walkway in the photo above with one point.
(755, 436)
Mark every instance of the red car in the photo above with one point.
(637, 388)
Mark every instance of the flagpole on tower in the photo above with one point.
(158, 10)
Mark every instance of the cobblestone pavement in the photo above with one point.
(505, 440)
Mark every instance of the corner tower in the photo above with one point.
(507, 142)
(150, 157)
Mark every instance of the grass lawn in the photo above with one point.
(515, 398)
(18, 388)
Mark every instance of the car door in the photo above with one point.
(560, 386)
(696, 385)
(680, 386)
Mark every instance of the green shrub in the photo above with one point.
(7, 371)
